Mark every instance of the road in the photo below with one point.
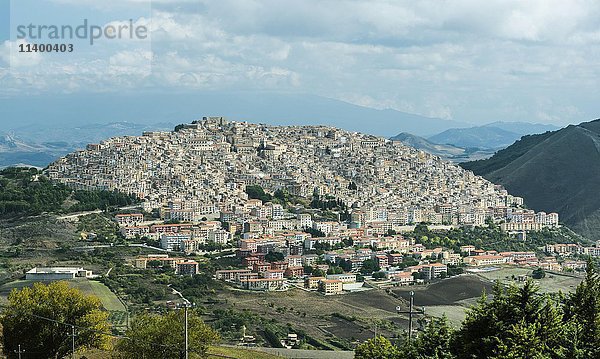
(69, 217)
(77, 215)
(142, 245)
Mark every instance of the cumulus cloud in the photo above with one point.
(452, 59)
(12, 57)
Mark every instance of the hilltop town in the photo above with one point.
(203, 169)
(273, 191)
(216, 211)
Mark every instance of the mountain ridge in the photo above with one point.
(555, 171)
(447, 152)
(271, 108)
(491, 136)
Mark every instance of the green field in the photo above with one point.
(238, 353)
(552, 283)
(109, 300)
(117, 311)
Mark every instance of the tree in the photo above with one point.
(517, 321)
(40, 319)
(274, 256)
(369, 266)
(378, 275)
(318, 273)
(179, 127)
(583, 308)
(257, 192)
(435, 341)
(376, 348)
(538, 273)
(155, 263)
(346, 265)
(154, 336)
(335, 270)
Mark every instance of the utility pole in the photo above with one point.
(19, 351)
(186, 331)
(186, 305)
(410, 314)
(72, 342)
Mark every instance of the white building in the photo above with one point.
(57, 273)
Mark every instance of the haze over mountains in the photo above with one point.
(473, 143)
(69, 122)
(554, 171)
(39, 145)
(445, 151)
(491, 136)
(271, 108)
(40, 129)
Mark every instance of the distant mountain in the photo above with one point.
(80, 135)
(523, 128)
(448, 152)
(47, 127)
(9, 143)
(495, 135)
(479, 137)
(39, 145)
(76, 110)
(555, 171)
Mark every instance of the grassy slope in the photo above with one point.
(238, 353)
(221, 352)
(505, 156)
(109, 299)
(555, 172)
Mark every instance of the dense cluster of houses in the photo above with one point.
(203, 170)
(184, 237)
(258, 236)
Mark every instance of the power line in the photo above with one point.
(89, 329)
(116, 336)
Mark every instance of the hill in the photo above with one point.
(27, 192)
(556, 171)
(491, 136)
(523, 128)
(40, 137)
(37, 146)
(448, 152)
(479, 137)
(326, 166)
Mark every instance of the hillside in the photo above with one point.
(448, 152)
(480, 137)
(555, 171)
(35, 141)
(523, 128)
(37, 146)
(204, 163)
(26, 192)
(491, 136)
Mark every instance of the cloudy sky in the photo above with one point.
(474, 61)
